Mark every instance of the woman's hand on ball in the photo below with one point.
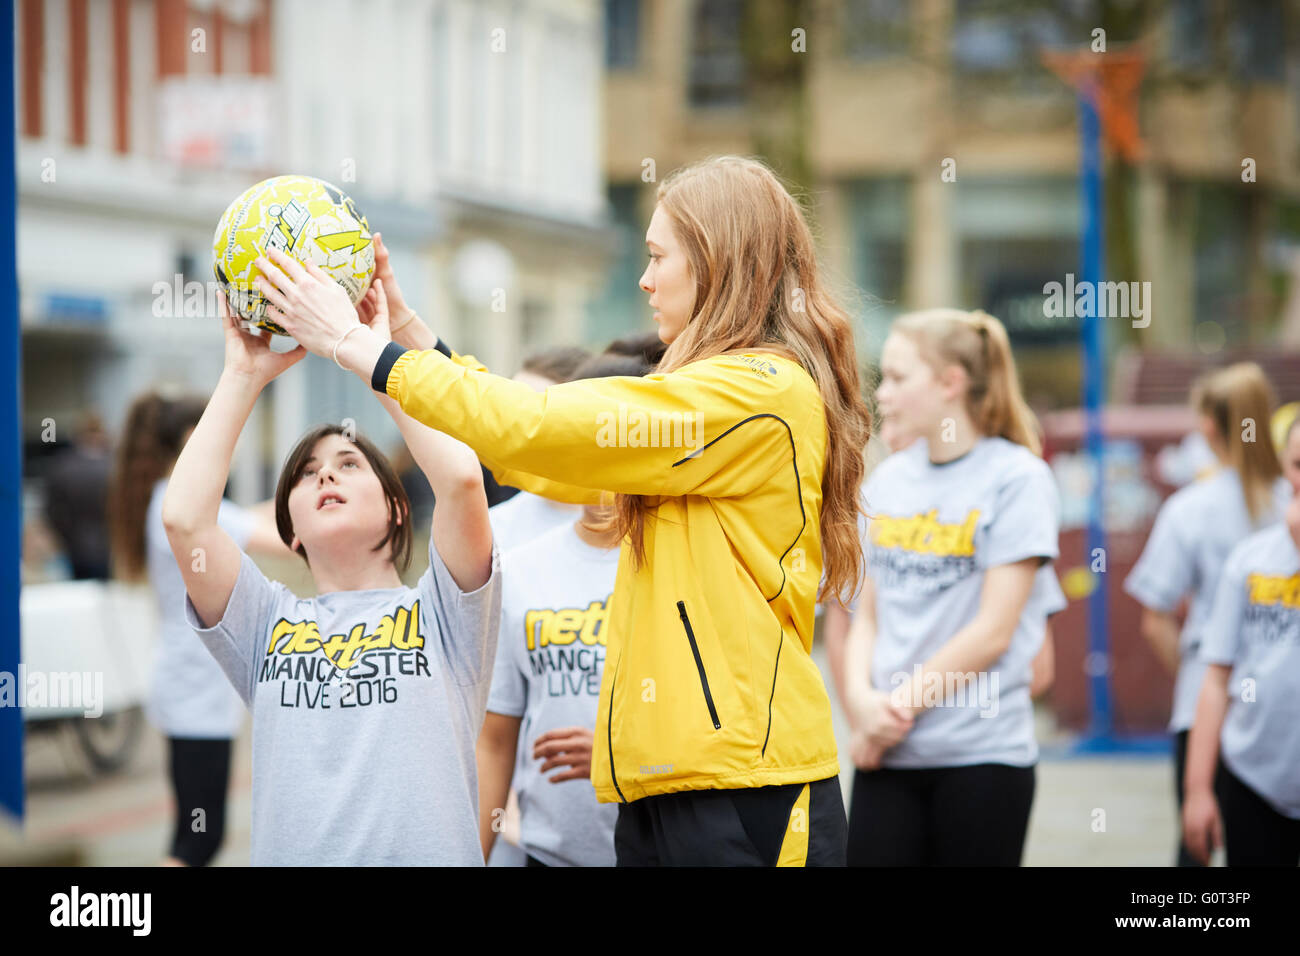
(384, 273)
(372, 310)
(249, 356)
(311, 306)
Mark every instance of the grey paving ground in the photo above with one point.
(125, 819)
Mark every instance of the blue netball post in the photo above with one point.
(1087, 72)
(11, 464)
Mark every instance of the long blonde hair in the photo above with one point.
(1231, 397)
(978, 343)
(758, 286)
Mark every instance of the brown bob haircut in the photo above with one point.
(398, 537)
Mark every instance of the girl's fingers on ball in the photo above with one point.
(271, 274)
(317, 271)
(272, 295)
(289, 264)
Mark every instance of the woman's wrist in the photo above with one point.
(360, 350)
(415, 333)
(248, 383)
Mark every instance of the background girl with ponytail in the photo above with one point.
(959, 524)
(1243, 751)
(1196, 529)
(190, 700)
(713, 730)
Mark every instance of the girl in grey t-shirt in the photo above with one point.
(190, 700)
(367, 698)
(938, 663)
(1198, 526)
(1248, 713)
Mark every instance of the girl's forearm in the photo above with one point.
(973, 649)
(198, 478)
(415, 334)
(1203, 739)
(1161, 632)
(835, 632)
(448, 464)
(858, 647)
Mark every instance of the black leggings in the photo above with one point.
(200, 773)
(1255, 833)
(940, 816)
(1185, 857)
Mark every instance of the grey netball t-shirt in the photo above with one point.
(188, 696)
(366, 709)
(550, 659)
(1254, 626)
(1194, 531)
(934, 531)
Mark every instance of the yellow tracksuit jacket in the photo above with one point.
(708, 682)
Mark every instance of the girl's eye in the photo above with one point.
(352, 463)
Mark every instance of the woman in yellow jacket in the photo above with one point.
(735, 469)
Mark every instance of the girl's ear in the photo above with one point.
(294, 544)
(954, 382)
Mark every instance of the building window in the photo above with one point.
(1222, 254)
(717, 63)
(620, 307)
(877, 213)
(534, 325)
(1189, 34)
(622, 33)
(874, 29)
(1257, 40)
(1000, 40)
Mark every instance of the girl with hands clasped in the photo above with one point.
(367, 698)
(1243, 753)
(938, 660)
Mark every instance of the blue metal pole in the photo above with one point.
(11, 462)
(1101, 723)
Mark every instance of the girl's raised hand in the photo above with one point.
(372, 310)
(249, 355)
(384, 273)
(311, 306)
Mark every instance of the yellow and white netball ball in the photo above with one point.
(305, 218)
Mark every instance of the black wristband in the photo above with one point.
(387, 359)
(441, 346)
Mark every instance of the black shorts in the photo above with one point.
(796, 824)
(200, 774)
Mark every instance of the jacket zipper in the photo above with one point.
(609, 730)
(699, 664)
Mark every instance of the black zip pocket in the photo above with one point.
(699, 664)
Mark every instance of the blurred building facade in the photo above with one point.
(891, 94)
(467, 132)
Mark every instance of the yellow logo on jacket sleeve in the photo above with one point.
(924, 533)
